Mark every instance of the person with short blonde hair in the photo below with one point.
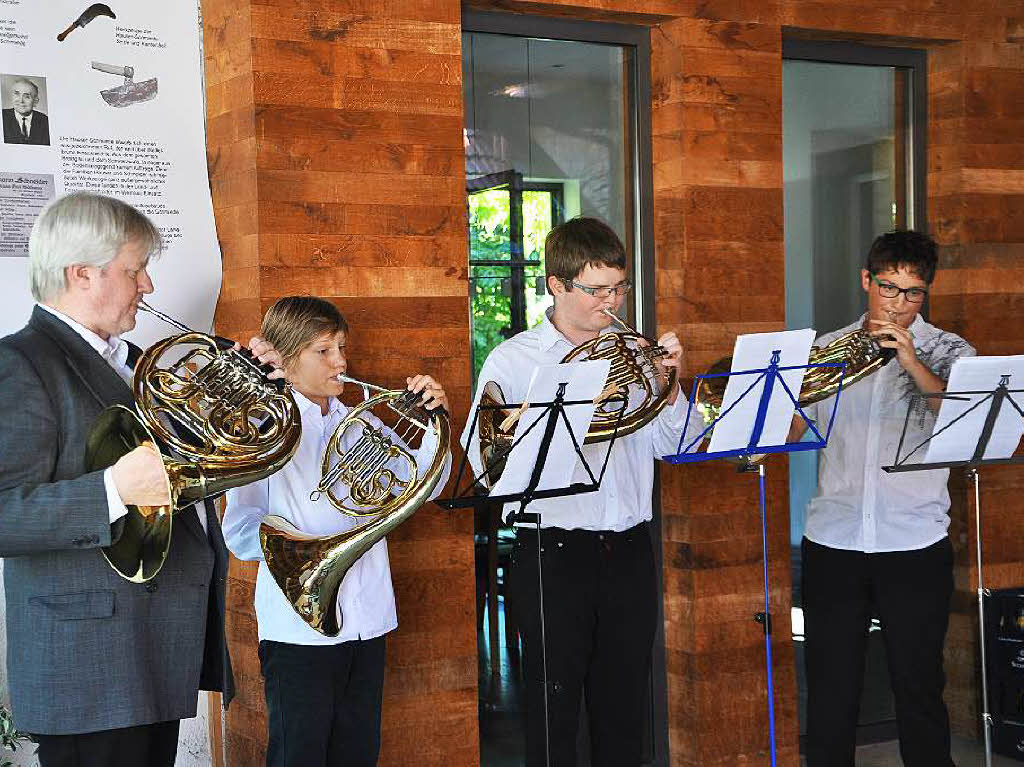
(324, 694)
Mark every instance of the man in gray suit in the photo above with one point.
(101, 669)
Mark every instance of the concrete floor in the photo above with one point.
(966, 753)
(502, 738)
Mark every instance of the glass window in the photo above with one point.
(549, 136)
(849, 175)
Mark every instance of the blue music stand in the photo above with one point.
(770, 375)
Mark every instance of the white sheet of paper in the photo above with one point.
(585, 380)
(958, 442)
(754, 352)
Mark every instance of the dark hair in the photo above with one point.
(581, 242)
(294, 322)
(913, 250)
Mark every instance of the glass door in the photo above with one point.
(508, 221)
(853, 168)
(551, 132)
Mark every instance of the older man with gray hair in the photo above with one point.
(23, 123)
(101, 669)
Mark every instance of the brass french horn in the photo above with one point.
(861, 353)
(217, 421)
(640, 391)
(361, 459)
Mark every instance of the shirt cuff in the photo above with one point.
(115, 506)
(675, 413)
(428, 445)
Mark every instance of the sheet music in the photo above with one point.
(753, 351)
(959, 441)
(584, 381)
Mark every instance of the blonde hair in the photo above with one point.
(294, 322)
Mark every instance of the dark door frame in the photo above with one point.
(914, 59)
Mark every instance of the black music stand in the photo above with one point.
(553, 413)
(770, 376)
(995, 399)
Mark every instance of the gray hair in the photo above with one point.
(82, 228)
(27, 82)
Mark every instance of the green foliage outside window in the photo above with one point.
(489, 239)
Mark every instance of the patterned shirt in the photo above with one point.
(858, 506)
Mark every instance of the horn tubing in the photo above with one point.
(169, 320)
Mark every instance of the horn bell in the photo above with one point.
(309, 569)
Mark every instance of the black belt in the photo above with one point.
(559, 536)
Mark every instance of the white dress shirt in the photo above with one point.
(366, 599)
(858, 506)
(624, 497)
(115, 352)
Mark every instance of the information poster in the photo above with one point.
(108, 98)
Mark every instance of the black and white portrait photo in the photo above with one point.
(24, 109)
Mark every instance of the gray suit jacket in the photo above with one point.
(86, 649)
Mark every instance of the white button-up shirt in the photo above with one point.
(624, 497)
(858, 506)
(366, 598)
(114, 352)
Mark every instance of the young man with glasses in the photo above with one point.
(875, 543)
(599, 586)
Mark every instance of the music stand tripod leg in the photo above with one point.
(765, 618)
(986, 716)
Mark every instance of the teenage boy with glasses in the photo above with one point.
(875, 543)
(600, 593)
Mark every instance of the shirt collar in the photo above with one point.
(114, 349)
(306, 405)
(548, 335)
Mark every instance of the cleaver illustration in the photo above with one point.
(129, 93)
(90, 13)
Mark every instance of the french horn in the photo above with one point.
(862, 354)
(217, 421)
(639, 390)
(366, 471)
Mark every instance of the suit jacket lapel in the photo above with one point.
(93, 371)
(189, 519)
(105, 385)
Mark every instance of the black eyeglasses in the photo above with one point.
(888, 290)
(604, 291)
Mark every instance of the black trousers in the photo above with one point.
(909, 591)
(600, 610)
(148, 745)
(323, 703)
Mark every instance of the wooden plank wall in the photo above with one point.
(717, 151)
(977, 173)
(336, 165)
